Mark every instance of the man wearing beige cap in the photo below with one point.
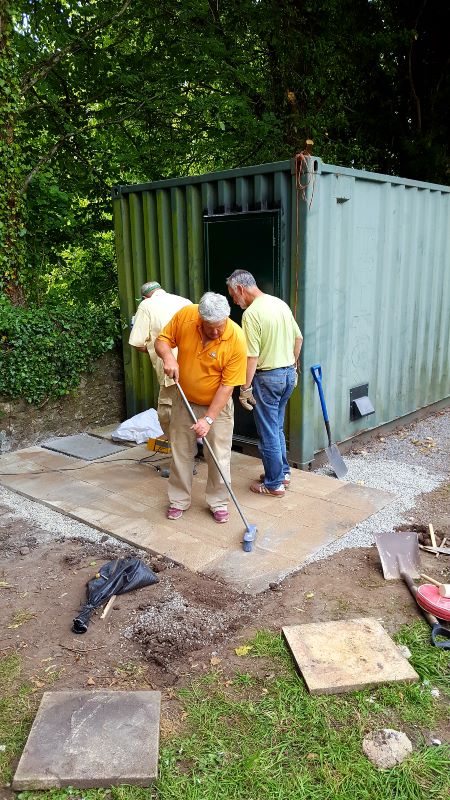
(154, 312)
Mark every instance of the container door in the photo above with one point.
(242, 241)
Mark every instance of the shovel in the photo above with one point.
(400, 559)
(334, 457)
(250, 530)
(399, 552)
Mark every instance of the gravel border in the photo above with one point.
(47, 525)
(411, 461)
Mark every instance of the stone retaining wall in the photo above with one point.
(98, 400)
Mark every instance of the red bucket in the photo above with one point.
(428, 598)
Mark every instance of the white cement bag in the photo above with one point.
(139, 428)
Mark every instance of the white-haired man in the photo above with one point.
(212, 358)
(274, 342)
(156, 310)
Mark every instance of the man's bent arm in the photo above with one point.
(216, 405)
(140, 347)
(252, 362)
(171, 368)
(297, 348)
(219, 400)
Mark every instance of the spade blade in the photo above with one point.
(336, 461)
(399, 552)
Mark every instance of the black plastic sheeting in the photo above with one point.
(116, 577)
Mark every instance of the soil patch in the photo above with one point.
(187, 619)
(160, 633)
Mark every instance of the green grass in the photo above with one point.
(247, 737)
(17, 706)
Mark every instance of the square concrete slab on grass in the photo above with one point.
(92, 739)
(346, 655)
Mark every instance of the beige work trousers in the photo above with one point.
(165, 400)
(184, 447)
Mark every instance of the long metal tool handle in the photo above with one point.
(213, 456)
(316, 371)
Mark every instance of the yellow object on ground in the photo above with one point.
(159, 445)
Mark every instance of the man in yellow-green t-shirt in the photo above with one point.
(274, 342)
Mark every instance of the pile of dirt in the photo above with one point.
(181, 621)
(423, 531)
(15, 534)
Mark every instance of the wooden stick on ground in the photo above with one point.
(108, 607)
(432, 536)
(442, 544)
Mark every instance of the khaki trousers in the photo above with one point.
(184, 447)
(165, 399)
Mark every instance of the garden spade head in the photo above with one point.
(336, 461)
(399, 553)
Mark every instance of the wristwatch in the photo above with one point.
(209, 420)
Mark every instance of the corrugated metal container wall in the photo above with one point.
(376, 298)
(370, 268)
(160, 236)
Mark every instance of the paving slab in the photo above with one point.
(124, 496)
(346, 655)
(91, 739)
(56, 488)
(82, 445)
(250, 575)
(359, 497)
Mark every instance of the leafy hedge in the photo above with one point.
(44, 351)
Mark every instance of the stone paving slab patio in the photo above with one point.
(126, 498)
(92, 739)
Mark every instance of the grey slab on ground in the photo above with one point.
(346, 655)
(92, 739)
(82, 445)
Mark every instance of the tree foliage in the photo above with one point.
(99, 92)
(44, 351)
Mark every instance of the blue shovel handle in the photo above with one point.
(316, 372)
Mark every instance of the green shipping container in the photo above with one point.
(362, 259)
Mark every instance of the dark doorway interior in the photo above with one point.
(242, 241)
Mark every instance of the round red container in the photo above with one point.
(428, 598)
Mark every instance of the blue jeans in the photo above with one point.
(272, 389)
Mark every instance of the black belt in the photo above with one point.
(272, 368)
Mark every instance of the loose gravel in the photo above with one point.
(48, 525)
(176, 623)
(409, 462)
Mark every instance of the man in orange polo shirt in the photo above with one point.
(212, 360)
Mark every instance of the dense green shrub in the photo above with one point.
(43, 351)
